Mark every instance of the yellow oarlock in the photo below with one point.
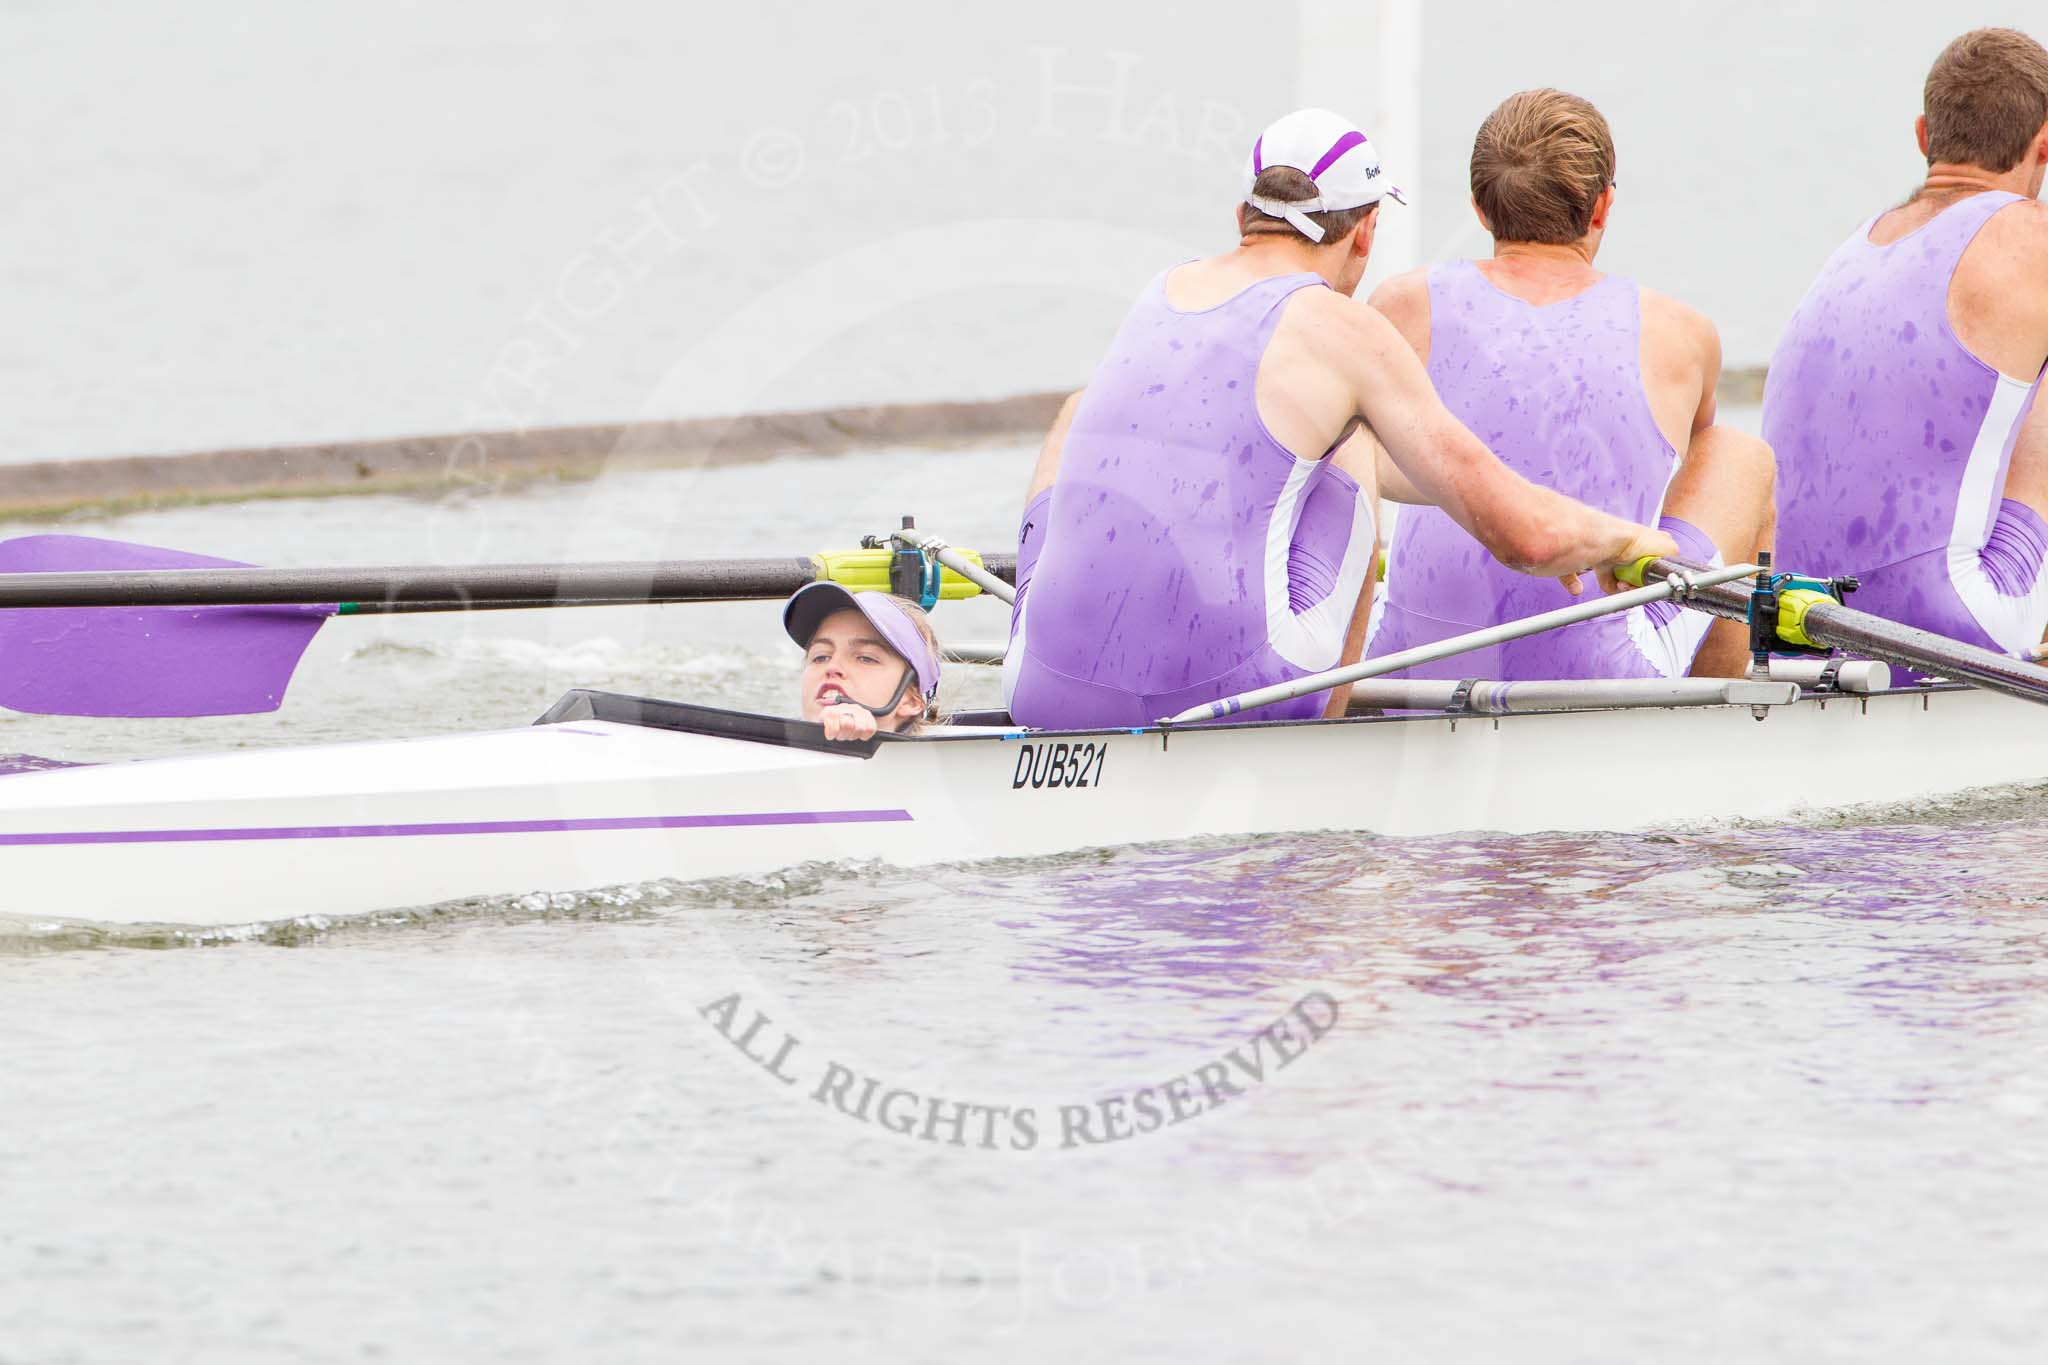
(868, 571)
(1793, 604)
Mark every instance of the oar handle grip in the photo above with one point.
(1635, 572)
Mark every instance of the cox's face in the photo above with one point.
(849, 660)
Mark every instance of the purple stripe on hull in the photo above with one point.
(624, 822)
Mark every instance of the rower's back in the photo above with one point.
(1177, 508)
(1557, 390)
(1579, 381)
(1895, 440)
(1901, 390)
(1893, 437)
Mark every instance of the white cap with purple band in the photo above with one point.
(813, 602)
(1328, 149)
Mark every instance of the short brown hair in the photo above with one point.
(1291, 186)
(1538, 164)
(1986, 98)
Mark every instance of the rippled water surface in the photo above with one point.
(1724, 1094)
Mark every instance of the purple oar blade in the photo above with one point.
(143, 661)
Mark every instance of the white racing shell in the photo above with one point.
(611, 790)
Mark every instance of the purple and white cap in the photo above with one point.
(813, 602)
(1330, 150)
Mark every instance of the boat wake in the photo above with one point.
(866, 878)
(30, 763)
(21, 935)
(1978, 806)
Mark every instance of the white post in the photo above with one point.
(1397, 133)
(1365, 61)
(1338, 59)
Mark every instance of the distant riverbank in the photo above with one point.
(493, 460)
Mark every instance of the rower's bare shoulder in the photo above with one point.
(1400, 295)
(2002, 284)
(1404, 299)
(1324, 318)
(1679, 325)
(2013, 238)
(1664, 311)
(2025, 226)
(2028, 217)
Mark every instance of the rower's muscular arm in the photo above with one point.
(1362, 450)
(1525, 527)
(2026, 479)
(1710, 373)
(1048, 466)
(1405, 301)
(1706, 343)
(1681, 365)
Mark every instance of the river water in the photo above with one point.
(1735, 1093)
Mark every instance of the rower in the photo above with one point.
(871, 661)
(1582, 381)
(1900, 393)
(1190, 533)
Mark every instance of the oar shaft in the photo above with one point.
(431, 587)
(417, 608)
(1874, 637)
(1457, 644)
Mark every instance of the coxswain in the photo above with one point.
(871, 662)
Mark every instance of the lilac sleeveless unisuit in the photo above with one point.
(1557, 393)
(1893, 442)
(1186, 555)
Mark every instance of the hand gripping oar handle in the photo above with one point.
(432, 587)
(1680, 581)
(1823, 621)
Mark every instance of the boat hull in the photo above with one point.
(589, 802)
